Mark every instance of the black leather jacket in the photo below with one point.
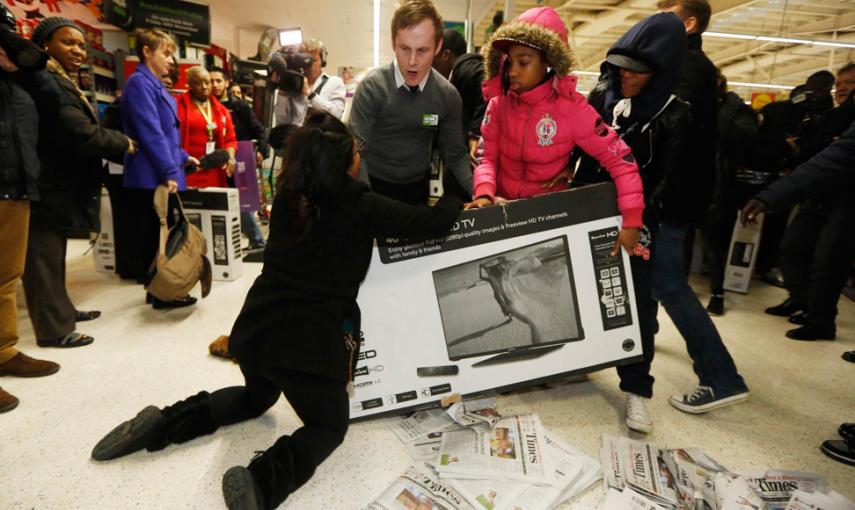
(663, 158)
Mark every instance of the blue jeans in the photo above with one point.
(711, 361)
(249, 226)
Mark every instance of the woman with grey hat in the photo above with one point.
(71, 147)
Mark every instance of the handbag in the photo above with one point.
(180, 261)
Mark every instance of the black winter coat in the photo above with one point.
(833, 168)
(247, 126)
(71, 147)
(698, 87)
(19, 135)
(299, 312)
(467, 76)
(737, 134)
(663, 156)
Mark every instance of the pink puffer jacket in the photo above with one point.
(527, 139)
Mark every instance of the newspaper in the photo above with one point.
(734, 492)
(628, 499)
(776, 486)
(574, 472)
(419, 488)
(802, 500)
(611, 459)
(512, 450)
(475, 412)
(695, 479)
(423, 423)
(647, 469)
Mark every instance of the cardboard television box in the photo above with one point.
(216, 211)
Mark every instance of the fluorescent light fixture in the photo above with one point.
(760, 85)
(784, 40)
(290, 37)
(376, 33)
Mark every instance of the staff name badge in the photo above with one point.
(430, 120)
(210, 147)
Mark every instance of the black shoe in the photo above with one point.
(240, 490)
(847, 431)
(811, 333)
(849, 356)
(158, 304)
(716, 305)
(785, 309)
(774, 277)
(839, 450)
(799, 319)
(129, 437)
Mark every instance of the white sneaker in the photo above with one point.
(637, 417)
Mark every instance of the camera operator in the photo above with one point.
(817, 247)
(320, 90)
(19, 173)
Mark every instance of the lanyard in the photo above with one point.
(209, 119)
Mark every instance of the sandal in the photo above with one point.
(86, 316)
(73, 339)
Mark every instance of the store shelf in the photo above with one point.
(102, 71)
(105, 98)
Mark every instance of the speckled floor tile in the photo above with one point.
(800, 392)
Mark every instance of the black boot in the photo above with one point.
(154, 429)
(281, 470)
(787, 308)
(240, 490)
(799, 319)
(183, 421)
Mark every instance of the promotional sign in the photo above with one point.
(513, 295)
(189, 22)
(246, 177)
(742, 255)
(216, 212)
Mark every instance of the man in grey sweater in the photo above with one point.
(399, 108)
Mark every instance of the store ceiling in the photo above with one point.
(346, 27)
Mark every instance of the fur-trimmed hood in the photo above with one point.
(540, 28)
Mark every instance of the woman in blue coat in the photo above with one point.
(150, 116)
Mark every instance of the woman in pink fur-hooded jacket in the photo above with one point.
(528, 133)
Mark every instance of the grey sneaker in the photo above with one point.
(637, 417)
(704, 399)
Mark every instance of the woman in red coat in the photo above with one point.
(206, 126)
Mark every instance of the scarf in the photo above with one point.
(53, 66)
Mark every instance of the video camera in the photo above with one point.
(287, 67)
(22, 52)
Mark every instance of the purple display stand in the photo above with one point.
(246, 177)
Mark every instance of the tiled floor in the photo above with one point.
(801, 391)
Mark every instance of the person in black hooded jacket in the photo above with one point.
(71, 147)
(634, 94)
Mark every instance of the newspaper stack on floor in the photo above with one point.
(642, 476)
(475, 459)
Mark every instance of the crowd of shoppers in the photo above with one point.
(682, 151)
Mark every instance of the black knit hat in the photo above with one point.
(48, 26)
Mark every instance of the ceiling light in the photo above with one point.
(760, 85)
(785, 40)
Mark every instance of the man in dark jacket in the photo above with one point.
(817, 248)
(247, 127)
(19, 171)
(466, 72)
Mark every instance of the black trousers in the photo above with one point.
(415, 193)
(124, 229)
(320, 402)
(636, 378)
(51, 310)
(770, 252)
(817, 252)
(145, 228)
(717, 234)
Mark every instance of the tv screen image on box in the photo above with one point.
(515, 301)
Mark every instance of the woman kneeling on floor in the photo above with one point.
(298, 331)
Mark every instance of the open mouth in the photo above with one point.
(412, 75)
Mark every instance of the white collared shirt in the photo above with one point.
(292, 110)
(399, 78)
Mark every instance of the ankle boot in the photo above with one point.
(183, 421)
(274, 472)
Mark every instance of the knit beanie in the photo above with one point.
(48, 26)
